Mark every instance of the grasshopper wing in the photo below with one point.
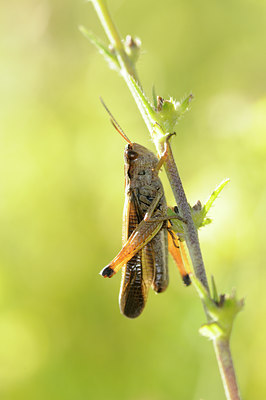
(138, 272)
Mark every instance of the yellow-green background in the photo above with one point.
(61, 198)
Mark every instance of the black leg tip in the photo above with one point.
(187, 280)
(107, 272)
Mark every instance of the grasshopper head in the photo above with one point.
(139, 160)
(134, 152)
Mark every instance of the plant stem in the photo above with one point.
(170, 166)
(191, 233)
(114, 38)
(226, 367)
(127, 68)
(222, 348)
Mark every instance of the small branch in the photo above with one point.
(225, 362)
(191, 233)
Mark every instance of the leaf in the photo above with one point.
(222, 313)
(171, 111)
(211, 330)
(214, 195)
(103, 49)
(199, 212)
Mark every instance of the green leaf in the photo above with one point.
(214, 195)
(199, 213)
(103, 49)
(171, 111)
(211, 330)
(222, 313)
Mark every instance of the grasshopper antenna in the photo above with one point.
(115, 123)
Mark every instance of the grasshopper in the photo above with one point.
(146, 231)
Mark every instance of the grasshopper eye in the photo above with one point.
(132, 155)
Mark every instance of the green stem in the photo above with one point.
(114, 38)
(127, 68)
(226, 367)
(191, 233)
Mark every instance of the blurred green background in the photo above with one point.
(61, 333)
